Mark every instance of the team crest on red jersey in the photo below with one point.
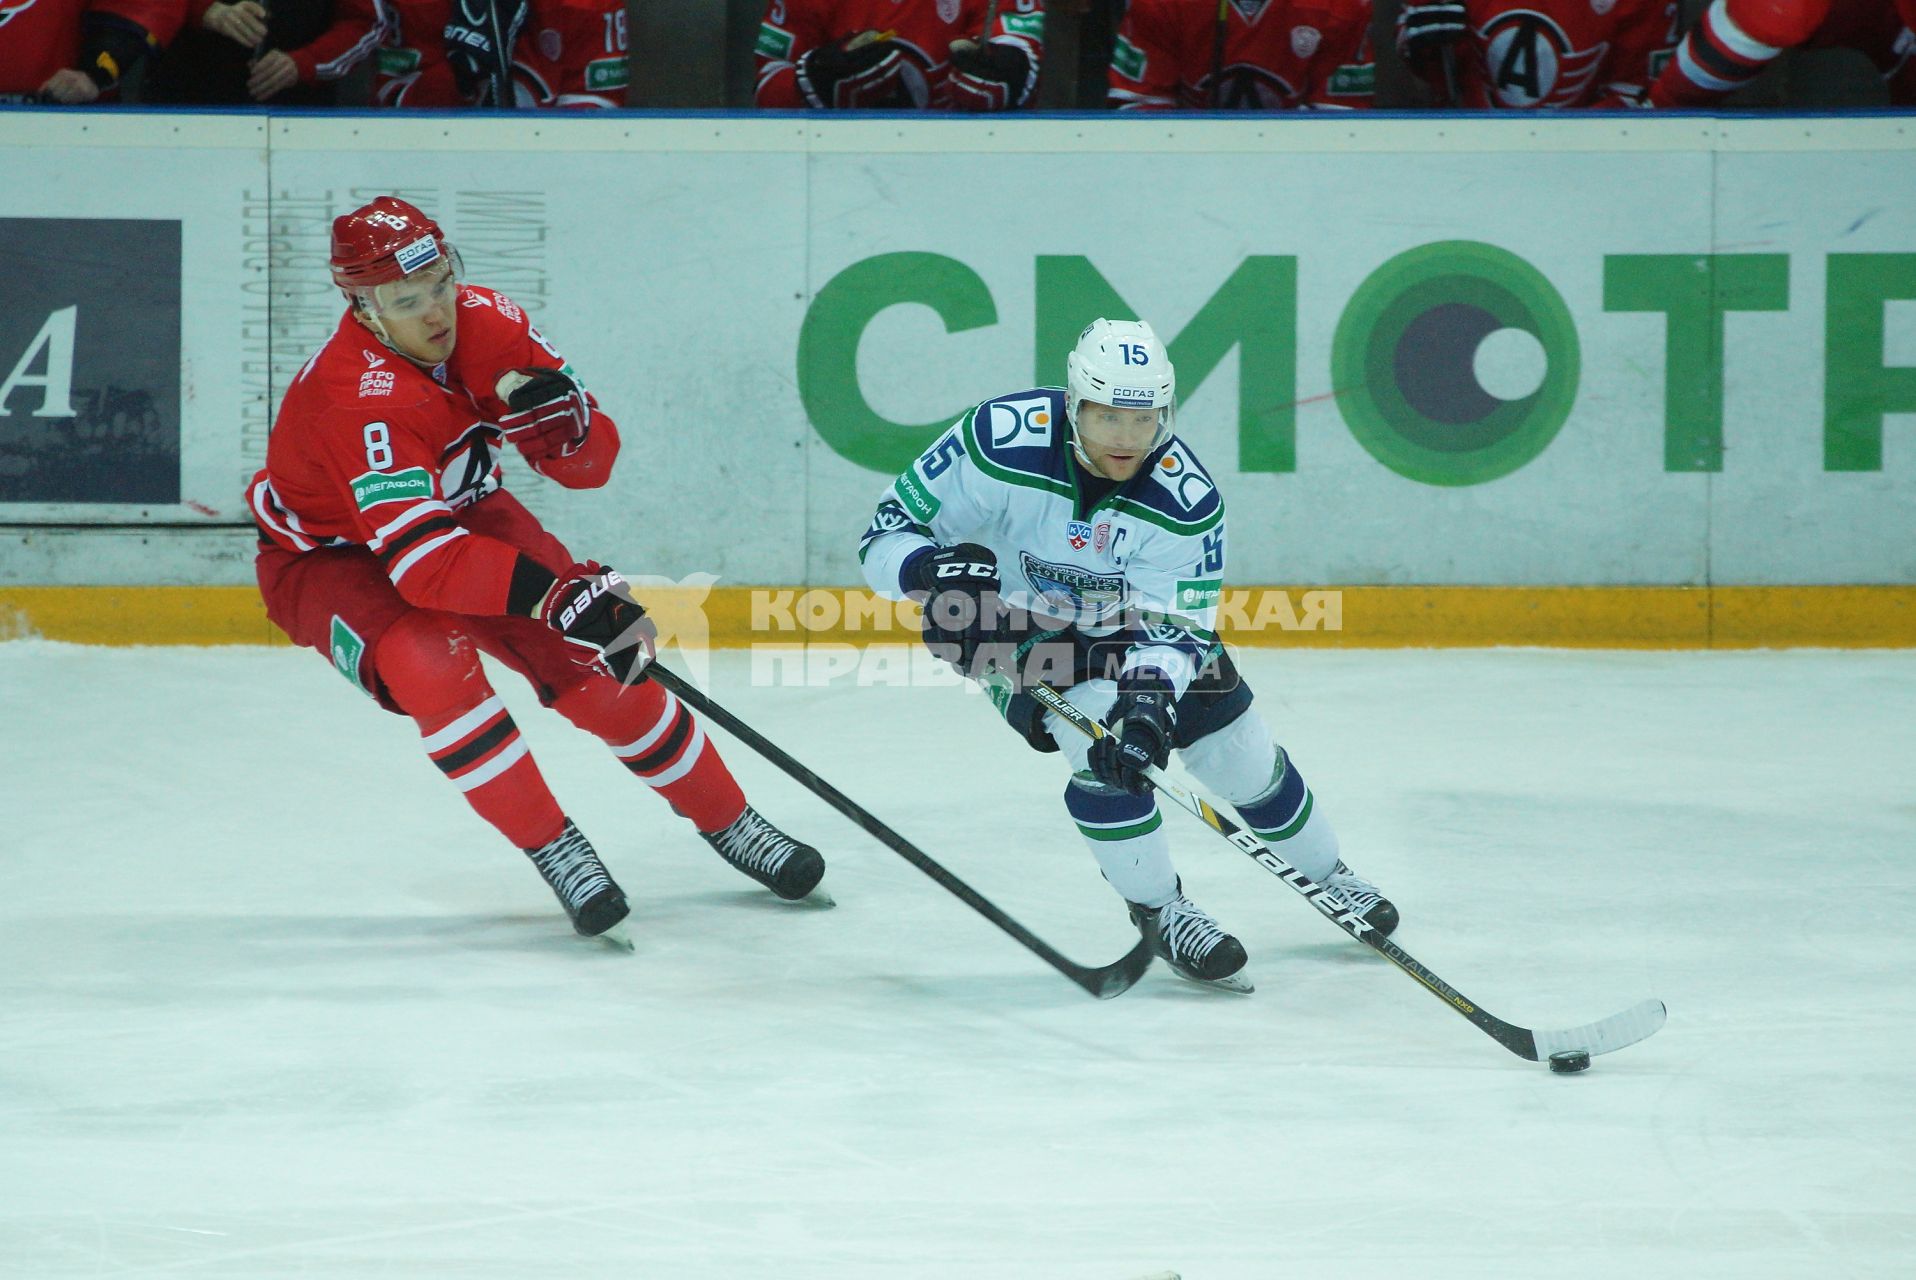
(948, 10)
(1247, 87)
(1532, 62)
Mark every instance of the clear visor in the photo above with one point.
(436, 285)
(1120, 430)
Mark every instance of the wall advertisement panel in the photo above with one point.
(1583, 351)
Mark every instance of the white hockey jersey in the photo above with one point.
(1148, 556)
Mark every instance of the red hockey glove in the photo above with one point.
(593, 608)
(550, 415)
(861, 71)
(988, 77)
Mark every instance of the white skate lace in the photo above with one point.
(755, 843)
(1356, 893)
(1187, 931)
(572, 868)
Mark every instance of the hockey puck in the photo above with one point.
(1570, 1061)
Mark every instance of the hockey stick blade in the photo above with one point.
(1103, 981)
(1618, 1031)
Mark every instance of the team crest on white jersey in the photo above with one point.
(1071, 591)
(1078, 532)
(1016, 423)
(1532, 62)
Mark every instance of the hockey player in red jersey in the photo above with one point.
(1258, 55)
(388, 543)
(572, 54)
(900, 54)
(1736, 40)
(352, 34)
(565, 53)
(1538, 53)
(75, 51)
(410, 68)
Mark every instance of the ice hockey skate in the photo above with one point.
(583, 886)
(789, 869)
(1196, 947)
(1351, 892)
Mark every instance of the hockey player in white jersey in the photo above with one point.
(1065, 535)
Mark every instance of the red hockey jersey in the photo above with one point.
(1276, 55)
(571, 53)
(370, 449)
(410, 69)
(1561, 53)
(922, 30)
(40, 37)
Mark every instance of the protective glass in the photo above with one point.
(1122, 430)
(416, 294)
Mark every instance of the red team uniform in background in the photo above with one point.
(1560, 53)
(923, 30)
(1277, 55)
(352, 37)
(1737, 39)
(570, 53)
(410, 69)
(40, 37)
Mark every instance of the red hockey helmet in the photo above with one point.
(384, 241)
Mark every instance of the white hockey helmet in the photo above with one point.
(1121, 363)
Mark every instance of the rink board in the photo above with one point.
(775, 619)
(778, 309)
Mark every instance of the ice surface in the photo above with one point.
(274, 1003)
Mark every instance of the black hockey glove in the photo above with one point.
(864, 70)
(1425, 29)
(593, 608)
(550, 416)
(959, 586)
(1140, 727)
(989, 76)
(469, 44)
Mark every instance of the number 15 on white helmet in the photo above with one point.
(1120, 396)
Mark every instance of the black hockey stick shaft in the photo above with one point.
(1599, 1037)
(1447, 57)
(1103, 982)
(1217, 54)
(502, 95)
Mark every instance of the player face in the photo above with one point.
(420, 313)
(1117, 440)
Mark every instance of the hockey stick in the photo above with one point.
(1217, 53)
(1103, 982)
(503, 98)
(1618, 1031)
